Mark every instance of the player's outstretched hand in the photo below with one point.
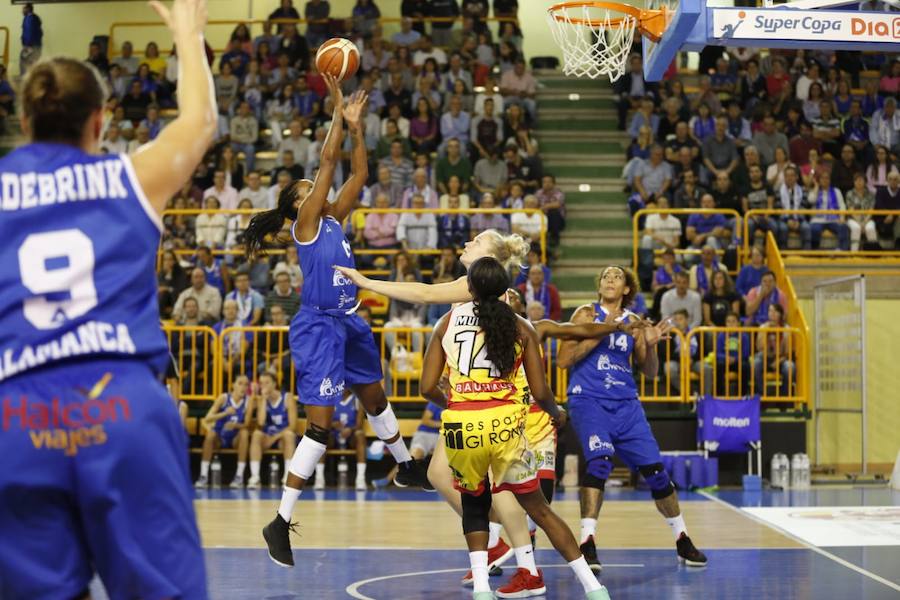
(561, 419)
(185, 17)
(334, 88)
(353, 110)
(613, 316)
(634, 325)
(658, 332)
(353, 275)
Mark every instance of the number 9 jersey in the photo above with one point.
(77, 263)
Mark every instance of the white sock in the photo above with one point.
(588, 527)
(361, 470)
(320, 472)
(532, 526)
(289, 497)
(241, 467)
(494, 534)
(525, 559)
(204, 468)
(584, 574)
(399, 450)
(254, 468)
(677, 525)
(478, 562)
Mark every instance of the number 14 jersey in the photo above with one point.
(77, 260)
(605, 372)
(472, 376)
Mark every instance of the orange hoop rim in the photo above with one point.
(651, 22)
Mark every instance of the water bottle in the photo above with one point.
(343, 468)
(780, 474)
(215, 469)
(274, 474)
(800, 471)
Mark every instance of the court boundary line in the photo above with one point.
(353, 589)
(547, 548)
(804, 543)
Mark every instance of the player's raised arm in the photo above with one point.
(163, 165)
(534, 370)
(359, 163)
(411, 291)
(571, 352)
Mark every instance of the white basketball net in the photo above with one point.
(598, 44)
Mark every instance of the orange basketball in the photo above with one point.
(338, 57)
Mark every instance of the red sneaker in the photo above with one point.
(497, 555)
(523, 585)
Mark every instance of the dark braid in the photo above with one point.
(488, 280)
(271, 221)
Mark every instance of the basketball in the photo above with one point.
(338, 57)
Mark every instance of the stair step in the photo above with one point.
(550, 147)
(569, 185)
(603, 105)
(618, 251)
(596, 211)
(587, 133)
(562, 82)
(583, 171)
(599, 224)
(587, 157)
(593, 198)
(575, 283)
(579, 123)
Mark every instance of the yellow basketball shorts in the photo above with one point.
(541, 436)
(491, 438)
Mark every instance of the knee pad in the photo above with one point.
(476, 511)
(384, 424)
(547, 487)
(658, 480)
(307, 453)
(316, 434)
(600, 468)
(592, 482)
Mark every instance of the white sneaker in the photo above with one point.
(237, 483)
(253, 483)
(361, 484)
(202, 483)
(319, 483)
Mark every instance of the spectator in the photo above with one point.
(217, 273)
(231, 166)
(521, 170)
(171, 280)
(775, 171)
(295, 47)
(761, 297)
(400, 167)
(681, 297)
(637, 153)
(484, 221)
(533, 259)
(688, 194)
(843, 170)
(807, 79)
(490, 91)
(245, 134)
(670, 119)
(877, 172)
(773, 354)
(537, 289)
(702, 126)
(860, 198)
(631, 88)
(825, 196)
(32, 39)
(888, 198)
(428, 50)
(407, 36)
(226, 195)
(454, 163)
(702, 272)
(254, 192)
(732, 356)
(738, 126)
(211, 228)
(553, 203)
(249, 302)
(291, 265)
(490, 173)
(385, 185)
(441, 30)
(112, 144)
(417, 231)
(454, 187)
(651, 181)
(827, 128)
(420, 187)
(398, 94)
(529, 226)
(134, 104)
(515, 198)
(518, 86)
(208, 298)
(856, 130)
(719, 151)
(486, 131)
(395, 116)
(674, 145)
(777, 78)
(296, 142)
(672, 359)
(455, 72)
(391, 134)
(424, 128)
(236, 56)
(455, 124)
(752, 86)
(281, 182)
(885, 126)
(759, 196)
(768, 139)
(453, 229)
(720, 300)
(282, 295)
(295, 170)
(811, 105)
(705, 229)
(142, 137)
(97, 58)
(664, 279)
(792, 197)
(316, 13)
(285, 10)
(751, 274)
(237, 224)
(227, 87)
(661, 230)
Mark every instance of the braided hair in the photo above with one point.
(271, 221)
(488, 280)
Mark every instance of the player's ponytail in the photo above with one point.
(488, 280)
(59, 95)
(270, 222)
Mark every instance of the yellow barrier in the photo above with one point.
(636, 232)
(663, 387)
(195, 351)
(829, 253)
(4, 53)
(251, 351)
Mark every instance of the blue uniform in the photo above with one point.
(95, 476)
(331, 345)
(603, 403)
(276, 416)
(227, 436)
(214, 275)
(436, 415)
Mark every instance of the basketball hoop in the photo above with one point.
(596, 37)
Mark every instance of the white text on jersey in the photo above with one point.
(91, 181)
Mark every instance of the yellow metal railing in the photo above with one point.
(637, 233)
(196, 355)
(4, 49)
(251, 351)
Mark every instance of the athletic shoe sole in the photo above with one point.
(523, 594)
(493, 571)
(272, 558)
(691, 563)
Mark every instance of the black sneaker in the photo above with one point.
(412, 473)
(589, 551)
(688, 553)
(278, 539)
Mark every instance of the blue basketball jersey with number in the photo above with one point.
(323, 287)
(276, 415)
(214, 275)
(77, 262)
(606, 371)
(240, 410)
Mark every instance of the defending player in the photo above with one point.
(607, 414)
(95, 477)
(228, 426)
(276, 416)
(483, 343)
(331, 346)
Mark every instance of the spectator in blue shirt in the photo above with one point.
(32, 38)
(249, 302)
(453, 229)
(732, 356)
(751, 274)
(455, 123)
(705, 229)
(407, 36)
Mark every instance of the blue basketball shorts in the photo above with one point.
(95, 477)
(608, 427)
(227, 437)
(331, 352)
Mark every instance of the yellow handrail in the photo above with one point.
(4, 54)
(636, 232)
(196, 360)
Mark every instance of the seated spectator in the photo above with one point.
(682, 297)
(516, 196)
(236, 359)
(237, 224)
(860, 198)
(777, 77)
(529, 226)
(454, 187)
(423, 128)
(282, 181)
(536, 289)
(758, 196)
(484, 221)
(768, 139)
(254, 192)
(513, 119)
(702, 126)
(224, 193)
(211, 228)
(420, 187)
(681, 140)
(661, 230)
(455, 72)
(636, 153)
(671, 359)
(217, 272)
(824, 196)
(453, 229)
(126, 60)
(812, 105)
(522, 170)
(663, 279)
(719, 151)
(296, 143)
(669, 121)
(386, 186)
(490, 91)
(792, 197)
(407, 36)
(652, 180)
(631, 88)
(706, 229)
(487, 130)
(391, 135)
(722, 81)
(455, 124)
(855, 129)
(453, 163)
(208, 298)
(260, 272)
(701, 273)
(761, 297)
(738, 126)
(280, 110)
(689, 193)
(751, 274)
(134, 104)
(232, 167)
(490, 173)
(282, 295)
(801, 145)
(888, 198)
(152, 121)
(448, 267)
(644, 117)
(732, 358)
(113, 143)
(171, 280)
(245, 134)
(381, 228)
(553, 203)
(417, 231)
(877, 172)
(751, 87)
(807, 79)
(885, 127)
(772, 353)
(400, 167)
(249, 302)
(720, 300)
(291, 264)
(428, 50)
(827, 128)
(775, 171)
(518, 86)
(142, 137)
(227, 87)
